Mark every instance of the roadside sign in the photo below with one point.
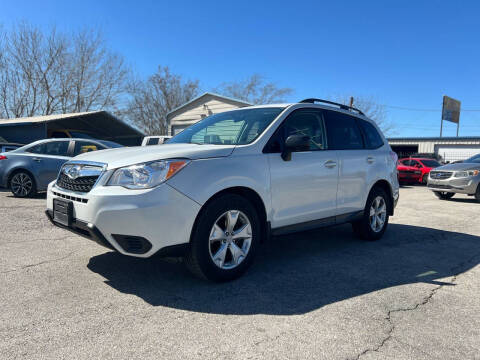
(450, 112)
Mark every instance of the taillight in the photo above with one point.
(3, 157)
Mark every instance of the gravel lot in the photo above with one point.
(321, 294)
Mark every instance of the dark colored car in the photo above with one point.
(424, 165)
(30, 168)
(408, 174)
(6, 146)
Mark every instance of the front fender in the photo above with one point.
(202, 179)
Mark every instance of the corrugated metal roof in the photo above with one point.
(447, 138)
(46, 118)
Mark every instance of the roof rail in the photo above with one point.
(341, 106)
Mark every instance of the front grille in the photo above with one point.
(440, 175)
(81, 184)
(407, 172)
(68, 197)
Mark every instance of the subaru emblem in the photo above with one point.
(72, 171)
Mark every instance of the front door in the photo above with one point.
(304, 188)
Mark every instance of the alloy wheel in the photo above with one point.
(378, 214)
(230, 239)
(21, 184)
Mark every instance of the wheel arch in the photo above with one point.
(385, 186)
(248, 193)
(16, 171)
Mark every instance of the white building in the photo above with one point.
(449, 148)
(202, 106)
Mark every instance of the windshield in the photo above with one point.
(430, 163)
(110, 144)
(473, 159)
(237, 127)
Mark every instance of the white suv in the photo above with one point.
(218, 189)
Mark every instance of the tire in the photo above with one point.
(477, 193)
(364, 227)
(443, 195)
(213, 238)
(425, 179)
(22, 184)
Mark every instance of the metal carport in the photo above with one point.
(100, 124)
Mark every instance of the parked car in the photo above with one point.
(408, 174)
(30, 168)
(155, 140)
(462, 178)
(228, 182)
(6, 146)
(425, 165)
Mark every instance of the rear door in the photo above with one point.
(345, 136)
(303, 189)
(46, 159)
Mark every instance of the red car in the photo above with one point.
(408, 174)
(424, 165)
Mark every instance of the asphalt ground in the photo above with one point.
(321, 294)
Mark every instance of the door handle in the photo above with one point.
(37, 159)
(370, 159)
(330, 164)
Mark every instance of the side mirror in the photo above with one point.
(295, 143)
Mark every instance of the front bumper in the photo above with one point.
(455, 185)
(152, 220)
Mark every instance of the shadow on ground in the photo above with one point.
(470, 200)
(299, 273)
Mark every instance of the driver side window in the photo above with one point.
(300, 122)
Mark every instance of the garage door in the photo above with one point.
(178, 129)
(456, 152)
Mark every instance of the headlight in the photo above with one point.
(460, 174)
(146, 175)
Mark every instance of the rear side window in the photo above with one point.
(56, 148)
(37, 149)
(373, 140)
(343, 131)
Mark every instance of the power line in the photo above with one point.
(417, 109)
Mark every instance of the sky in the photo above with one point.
(404, 54)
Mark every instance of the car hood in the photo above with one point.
(458, 167)
(126, 156)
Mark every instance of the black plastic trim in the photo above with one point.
(341, 106)
(84, 229)
(133, 244)
(178, 250)
(315, 224)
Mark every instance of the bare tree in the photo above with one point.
(255, 90)
(44, 73)
(371, 108)
(154, 98)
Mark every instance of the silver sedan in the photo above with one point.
(462, 178)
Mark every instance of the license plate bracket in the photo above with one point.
(62, 212)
